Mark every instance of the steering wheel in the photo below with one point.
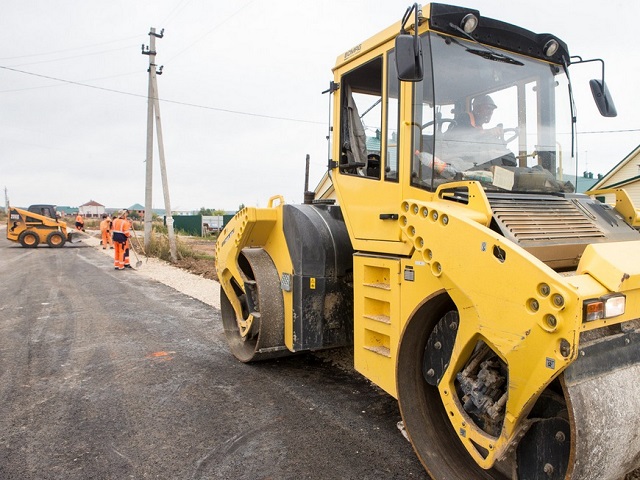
(514, 131)
(439, 123)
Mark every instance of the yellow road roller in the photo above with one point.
(447, 244)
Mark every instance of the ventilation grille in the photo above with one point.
(543, 219)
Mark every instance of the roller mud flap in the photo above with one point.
(602, 389)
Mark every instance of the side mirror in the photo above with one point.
(408, 58)
(603, 98)
(409, 49)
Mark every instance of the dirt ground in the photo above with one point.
(203, 267)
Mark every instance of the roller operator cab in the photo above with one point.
(500, 307)
(35, 225)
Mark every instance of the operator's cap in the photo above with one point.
(484, 100)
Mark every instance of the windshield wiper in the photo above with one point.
(487, 53)
(495, 56)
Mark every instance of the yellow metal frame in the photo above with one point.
(524, 311)
(623, 204)
(255, 227)
(376, 310)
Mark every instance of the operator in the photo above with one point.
(121, 232)
(79, 222)
(105, 230)
(482, 108)
(481, 112)
(464, 145)
(468, 145)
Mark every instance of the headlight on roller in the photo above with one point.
(607, 306)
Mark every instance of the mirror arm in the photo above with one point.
(580, 60)
(416, 38)
(405, 18)
(600, 91)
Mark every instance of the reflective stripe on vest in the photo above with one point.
(120, 226)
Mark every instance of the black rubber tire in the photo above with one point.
(56, 239)
(29, 239)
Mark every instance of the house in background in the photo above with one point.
(325, 189)
(137, 208)
(91, 209)
(582, 183)
(66, 211)
(625, 174)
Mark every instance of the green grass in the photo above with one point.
(159, 247)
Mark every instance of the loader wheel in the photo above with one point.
(262, 299)
(55, 239)
(29, 239)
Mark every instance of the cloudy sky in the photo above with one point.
(241, 92)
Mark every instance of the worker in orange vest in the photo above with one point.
(121, 230)
(79, 222)
(105, 230)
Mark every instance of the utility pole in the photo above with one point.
(165, 183)
(148, 197)
(153, 107)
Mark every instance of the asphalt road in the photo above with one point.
(110, 375)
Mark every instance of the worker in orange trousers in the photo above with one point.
(121, 230)
(105, 230)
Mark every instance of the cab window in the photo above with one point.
(361, 120)
(393, 117)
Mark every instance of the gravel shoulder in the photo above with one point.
(195, 286)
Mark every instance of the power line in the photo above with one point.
(70, 82)
(175, 102)
(127, 47)
(137, 72)
(226, 110)
(176, 10)
(611, 131)
(210, 30)
(70, 49)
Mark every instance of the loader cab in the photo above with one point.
(44, 210)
